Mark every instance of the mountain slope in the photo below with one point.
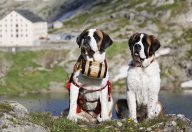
(50, 10)
(168, 20)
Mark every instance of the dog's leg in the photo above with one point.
(104, 105)
(131, 102)
(110, 106)
(74, 92)
(153, 107)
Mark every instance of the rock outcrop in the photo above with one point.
(14, 117)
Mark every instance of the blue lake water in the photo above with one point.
(174, 103)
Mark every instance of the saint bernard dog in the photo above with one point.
(143, 80)
(89, 98)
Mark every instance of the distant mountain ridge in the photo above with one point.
(49, 10)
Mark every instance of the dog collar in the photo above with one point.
(140, 64)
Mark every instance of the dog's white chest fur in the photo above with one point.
(141, 81)
(92, 99)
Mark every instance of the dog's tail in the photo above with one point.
(121, 108)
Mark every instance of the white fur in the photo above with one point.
(147, 61)
(143, 85)
(141, 53)
(93, 42)
(91, 84)
(100, 57)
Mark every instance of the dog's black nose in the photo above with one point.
(137, 48)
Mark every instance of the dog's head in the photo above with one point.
(93, 40)
(143, 46)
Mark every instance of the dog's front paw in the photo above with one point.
(75, 118)
(135, 121)
(72, 118)
(101, 119)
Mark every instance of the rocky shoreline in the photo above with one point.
(15, 117)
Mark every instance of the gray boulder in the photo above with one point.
(14, 117)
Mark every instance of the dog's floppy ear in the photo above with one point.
(106, 42)
(132, 40)
(80, 37)
(155, 45)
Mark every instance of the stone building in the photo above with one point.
(21, 28)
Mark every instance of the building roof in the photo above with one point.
(27, 14)
(30, 15)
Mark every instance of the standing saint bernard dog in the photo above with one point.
(143, 80)
(90, 98)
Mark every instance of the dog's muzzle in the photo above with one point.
(87, 52)
(136, 53)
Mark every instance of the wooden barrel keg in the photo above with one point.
(94, 69)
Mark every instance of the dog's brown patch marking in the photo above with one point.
(149, 42)
(100, 34)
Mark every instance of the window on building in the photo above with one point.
(17, 35)
(16, 25)
(11, 35)
(26, 35)
(0, 36)
(17, 30)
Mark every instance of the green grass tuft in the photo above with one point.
(55, 125)
(62, 124)
(5, 108)
(19, 80)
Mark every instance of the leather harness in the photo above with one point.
(81, 100)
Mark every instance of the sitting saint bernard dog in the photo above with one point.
(90, 98)
(143, 80)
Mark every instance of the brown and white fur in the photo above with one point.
(143, 80)
(95, 42)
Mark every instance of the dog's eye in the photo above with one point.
(96, 37)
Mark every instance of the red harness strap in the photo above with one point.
(97, 110)
(108, 84)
